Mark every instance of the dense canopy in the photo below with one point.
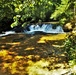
(21, 12)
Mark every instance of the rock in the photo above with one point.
(74, 30)
(68, 27)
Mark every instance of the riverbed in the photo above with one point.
(22, 54)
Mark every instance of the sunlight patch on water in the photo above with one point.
(3, 53)
(58, 46)
(15, 43)
(29, 48)
(45, 38)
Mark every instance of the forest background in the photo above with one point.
(22, 12)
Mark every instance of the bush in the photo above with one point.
(70, 47)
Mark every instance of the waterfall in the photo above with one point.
(33, 29)
(45, 28)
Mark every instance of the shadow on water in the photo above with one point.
(19, 49)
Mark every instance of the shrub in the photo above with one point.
(70, 47)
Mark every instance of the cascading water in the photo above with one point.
(45, 28)
(33, 29)
(7, 33)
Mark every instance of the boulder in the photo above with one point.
(68, 27)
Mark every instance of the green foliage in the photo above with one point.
(64, 11)
(27, 11)
(32, 9)
(6, 9)
(70, 47)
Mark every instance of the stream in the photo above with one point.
(37, 29)
(37, 55)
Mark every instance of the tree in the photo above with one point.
(27, 11)
(64, 11)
